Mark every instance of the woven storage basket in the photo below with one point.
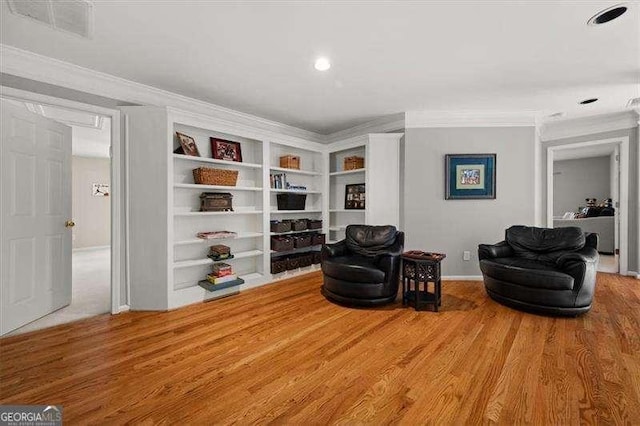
(353, 163)
(209, 176)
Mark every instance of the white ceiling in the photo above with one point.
(387, 57)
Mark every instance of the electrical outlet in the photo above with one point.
(466, 255)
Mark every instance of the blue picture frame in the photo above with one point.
(470, 176)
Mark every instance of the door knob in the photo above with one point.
(69, 224)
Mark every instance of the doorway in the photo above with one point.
(96, 232)
(587, 186)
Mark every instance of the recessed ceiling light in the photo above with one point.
(588, 101)
(608, 15)
(322, 64)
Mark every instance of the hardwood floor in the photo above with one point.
(283, 354)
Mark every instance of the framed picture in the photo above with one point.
(100, 190)
(226, 150)
(354, 197)
(188, 145)
(470, 176)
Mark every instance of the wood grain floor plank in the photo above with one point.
(282, 354)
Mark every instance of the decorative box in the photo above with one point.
(302, 240)
(314, 224)
(221, 269)
(317, 239)
(291, 201)
(216, 202)
(281, 243)
(354, 162)
(280, 226)
(290, 162)
(298, 224)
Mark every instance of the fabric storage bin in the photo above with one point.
(280, 243)
(317, 257)
(293, 262)
(278, 265)
(306, 259)
(291, 201)
(298, 224)
(317, 239)
(302, 240)
(280, 226)
(314, 224)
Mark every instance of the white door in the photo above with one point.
(35, 204)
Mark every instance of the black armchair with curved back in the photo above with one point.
(551, 271)
(363, 269)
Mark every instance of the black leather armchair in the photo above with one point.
(551, 271)
(363, 269)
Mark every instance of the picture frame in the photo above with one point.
(188, 145)
(470, 176)
(222, 149)
(100, 189)
(355, 196)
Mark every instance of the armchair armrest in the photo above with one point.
(491, 251)
(586, 255)
(333, 250)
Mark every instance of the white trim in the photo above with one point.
(124, 308)
(117, 202)
(94, 248)
(537, 172)
(383, 124)
(32, 66)
(570, 128)
(623, 209)
(462, 278)
(419, 119)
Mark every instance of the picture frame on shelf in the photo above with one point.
(470, 176)
(226, 150)
(187, 145)
(355, 196)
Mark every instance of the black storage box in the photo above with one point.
(280, 243)
(317, 239)
(302, 240)
(280, 226)
(317, 257)
(278, 265)
(293, 262)
(298, 224)
(306, 259)
(291, 201)
(314, 224)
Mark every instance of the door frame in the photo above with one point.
(622, 143)
(118, 202)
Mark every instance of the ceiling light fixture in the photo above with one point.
(608, 15)
(588, 101)
(322, 64)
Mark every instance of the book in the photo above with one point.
(211, 235)
(219, 280)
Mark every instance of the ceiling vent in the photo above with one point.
(74, 16)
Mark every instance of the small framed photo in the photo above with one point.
(354, 197)
(100, 190)
(188, 145)
(470, 176)
(226, 150)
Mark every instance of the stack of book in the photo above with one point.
(279, 181)
(221, 276)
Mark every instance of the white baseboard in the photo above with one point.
(462, 278)
(633, 274)
(91, 248)
(124, 308)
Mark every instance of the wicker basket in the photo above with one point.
(353, 163)
(208, 176)
(290, 162)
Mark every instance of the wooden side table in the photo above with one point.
(421, 267)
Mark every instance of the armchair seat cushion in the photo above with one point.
(527, 273)
(357, 269)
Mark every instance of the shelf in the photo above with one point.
(207, 261)
(347, 211)
(214, 161)
(298, 250)
(294, 211)
(217, 213)
(204, 241)
(217, 187)
(332, 241)
(295, 171)
(348, 172)
(337, 228)
(297, 232)
(294, 191)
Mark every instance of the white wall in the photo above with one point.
(453, 226)
(91, 214)
(575, 180)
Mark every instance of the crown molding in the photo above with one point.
(41, 68)
(570, 128)
(385, 124)
(420, 119)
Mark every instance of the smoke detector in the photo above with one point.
(74, 16)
